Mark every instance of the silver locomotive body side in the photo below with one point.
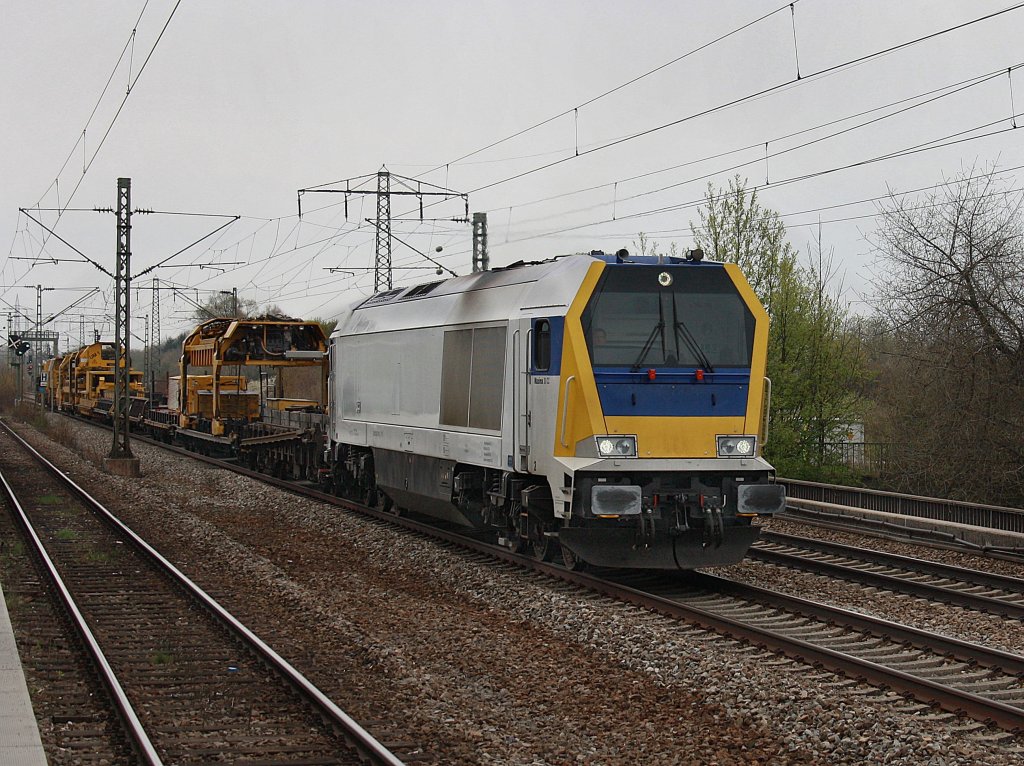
(425, 383)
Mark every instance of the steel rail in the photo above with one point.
(891, 582)
(361, 740)
(889, 530)
(965, 651)
(136, 731)
(947, 698)
(972, 576)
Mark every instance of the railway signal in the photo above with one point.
(20, 346)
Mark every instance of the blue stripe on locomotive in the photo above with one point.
(674, 393)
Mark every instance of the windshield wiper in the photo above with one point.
(682, 331)
(659, 328)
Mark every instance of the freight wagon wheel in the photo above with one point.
(572, 562)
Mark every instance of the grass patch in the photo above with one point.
(95, 456)
(49, 500)
(25, 411)
(62, 431)
(67, 534)
(97, 557)
(13, 548)
(15, 603)
(162, 657)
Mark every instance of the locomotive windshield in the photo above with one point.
(651, 316)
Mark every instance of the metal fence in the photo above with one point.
(975, 514)
(869, 458)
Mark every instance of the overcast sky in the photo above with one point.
(240, 104)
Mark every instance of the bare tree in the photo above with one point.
(224, 304)
(950, 291)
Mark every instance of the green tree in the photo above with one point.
(735, 228)
(814, 358)
(327, 325)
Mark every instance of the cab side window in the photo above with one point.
(541, 345)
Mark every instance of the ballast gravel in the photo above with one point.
(457, 660)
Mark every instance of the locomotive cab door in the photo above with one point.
(542, 350)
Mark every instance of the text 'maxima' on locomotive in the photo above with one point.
(609, 408)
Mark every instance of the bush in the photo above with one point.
(8, 387)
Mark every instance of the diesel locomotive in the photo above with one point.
(607, 409)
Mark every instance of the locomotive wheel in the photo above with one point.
(572, 562)
(542, 547)
(389, 506)
(370, 498)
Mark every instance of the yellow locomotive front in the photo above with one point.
(661, 406)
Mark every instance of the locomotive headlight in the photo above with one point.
(736, 446)
(616, 446)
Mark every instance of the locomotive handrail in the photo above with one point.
(565, 408)
(516, 384)
(767, 410)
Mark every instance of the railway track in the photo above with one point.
(188, 682)
(958, 677)
(987, 684)
(972, 589)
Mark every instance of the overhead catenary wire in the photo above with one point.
(299, 246)
(934, 143)
(120, 107)
(750, 96)
(945, 141)
(929, 97)
(691, 229)
(610, 91)
(826, 71)
(81, 139)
